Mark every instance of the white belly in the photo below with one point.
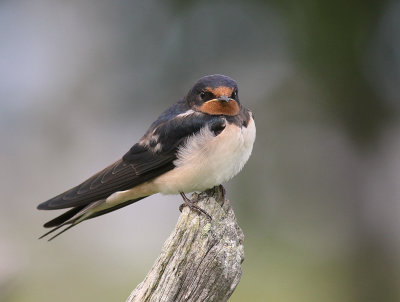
(207, 160)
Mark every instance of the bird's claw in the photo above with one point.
(192, 206)
(223, 193)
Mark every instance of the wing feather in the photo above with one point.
(118, 176)
(141, 163)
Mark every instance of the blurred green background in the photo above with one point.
(319, 200)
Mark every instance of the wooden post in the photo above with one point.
(201, 259)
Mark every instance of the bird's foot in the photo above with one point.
(192, 206)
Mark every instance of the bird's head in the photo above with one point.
(215, 95)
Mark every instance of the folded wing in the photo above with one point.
(144, 161)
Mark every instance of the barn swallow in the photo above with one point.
(199, 142)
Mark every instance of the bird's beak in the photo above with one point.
(224, 98)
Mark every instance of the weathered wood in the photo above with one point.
(201, 259)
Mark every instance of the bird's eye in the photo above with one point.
(202, 94)
(234, 94)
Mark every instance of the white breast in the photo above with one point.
(207, 160)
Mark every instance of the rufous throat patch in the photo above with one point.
(216, 107)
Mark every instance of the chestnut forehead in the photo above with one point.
(220, 90)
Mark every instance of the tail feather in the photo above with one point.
(78, 214)
(62, 231)
(121, 205)
(63, 217)
(51, 231)
(72, 217)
